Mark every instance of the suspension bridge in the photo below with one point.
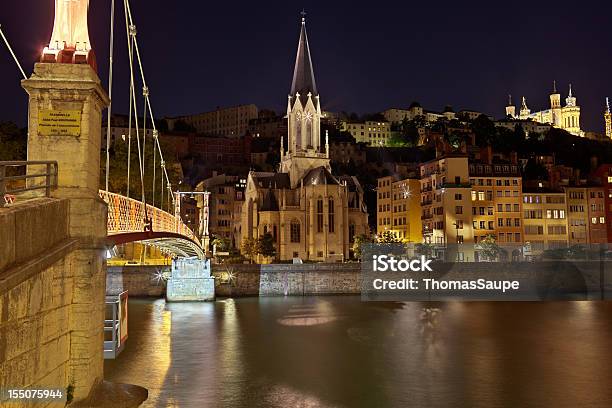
(129, 219)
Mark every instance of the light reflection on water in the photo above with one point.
(341, 352)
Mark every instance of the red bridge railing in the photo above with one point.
(128, 215)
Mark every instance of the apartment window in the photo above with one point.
(458, 209)
(517, 222)
(481, 195)
(602, 220)
(481, 210)
(490, 211)
(457, 196)
(473, 196)
(500, 207)
(482, 225)
(508, 207)
(500, 222)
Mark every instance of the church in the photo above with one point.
(563, 117)
(312, 214)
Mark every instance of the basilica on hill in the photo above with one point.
(563, 117)
(312, 214)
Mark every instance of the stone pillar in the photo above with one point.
(190, 281)
(65, 117)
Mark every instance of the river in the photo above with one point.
(303, 352)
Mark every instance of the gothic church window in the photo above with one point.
(330, 215)
(295, 231)
(319, 215)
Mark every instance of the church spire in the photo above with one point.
(570, 100)
(303, 74)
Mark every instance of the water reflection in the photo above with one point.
(341, 352)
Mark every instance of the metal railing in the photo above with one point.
(115, 325)
(11, 184)
(128, 215)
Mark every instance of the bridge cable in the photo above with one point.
(110, 90)
(131, 29)
(148, 102)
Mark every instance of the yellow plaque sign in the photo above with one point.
(59, 122)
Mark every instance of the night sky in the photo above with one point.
(199, 55)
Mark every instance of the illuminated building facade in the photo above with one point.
(544, 220)
(586, 215)
(563, 117)
(399, 208)
(608, 120)
(497, 201)
(373, 133)
(228, 122)
(447, 206)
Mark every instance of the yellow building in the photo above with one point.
(544, 220)
(374, 133)
(399, 209)
(447, 206)
(563, 117)
(496, 202)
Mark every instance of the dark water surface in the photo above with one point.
(341, 352)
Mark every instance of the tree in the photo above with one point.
(484, 129)
(249, 248)
(488, 248)
(118, 169)
(265, 246)
(13, 142)
(425, 249)
(358, 242)
(220, 244)
(387, 237)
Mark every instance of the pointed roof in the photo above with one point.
(303, 74)
(319, 175)
(269, 203)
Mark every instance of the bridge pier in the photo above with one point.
(190, 280)
(65, 116)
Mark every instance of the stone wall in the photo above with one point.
(288, 279)
(36, 295)
(138, 280)
(317, 279)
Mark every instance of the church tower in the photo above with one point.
(555, 106)
(510, 108)
(524, 112)
(304, 151)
